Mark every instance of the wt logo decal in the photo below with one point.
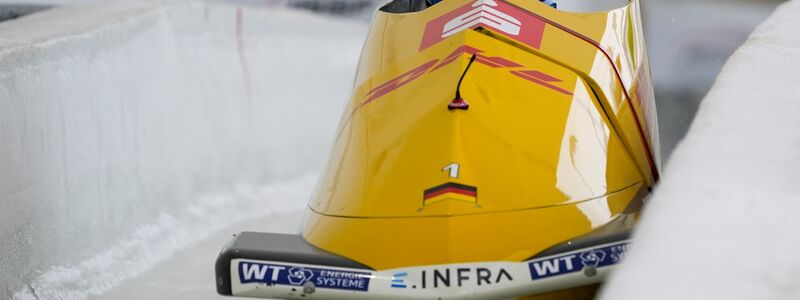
(592, 258)
(298, 276)
(497, 15)
(275, 274)
(571, 263)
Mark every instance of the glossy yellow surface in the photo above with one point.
(551, 140)
(385, 243)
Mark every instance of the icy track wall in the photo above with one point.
(129, 130)
(723, 223)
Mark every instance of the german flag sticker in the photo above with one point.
(452, 191)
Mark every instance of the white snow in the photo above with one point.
(131, 130)
(153, 244)
(722, 223)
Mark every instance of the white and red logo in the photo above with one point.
(496, 15)
(483, 12)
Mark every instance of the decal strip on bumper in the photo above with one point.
(267, 279)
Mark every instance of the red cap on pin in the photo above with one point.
(458, 103)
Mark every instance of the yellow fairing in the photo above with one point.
(555, 144)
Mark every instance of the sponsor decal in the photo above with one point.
(482, 12)
(399, 280)
(412, 75)
(496, 15)
(272, 274)
(399, 81)
(537, 77)
(447, 277)
(450, 190)
(587, 261)
(541, 79)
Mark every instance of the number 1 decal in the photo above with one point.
(453, 168)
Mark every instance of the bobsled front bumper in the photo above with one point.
(265, 265)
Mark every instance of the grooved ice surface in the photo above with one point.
(722, 224)
(130, 130)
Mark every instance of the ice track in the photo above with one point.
(132, 131)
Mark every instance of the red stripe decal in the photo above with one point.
(504, 62)
(541, 76)
(538, 81)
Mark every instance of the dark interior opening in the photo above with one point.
(404, 6)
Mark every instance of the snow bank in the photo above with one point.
(129, 129)
(723, 222)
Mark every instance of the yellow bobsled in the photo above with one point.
(491, 149)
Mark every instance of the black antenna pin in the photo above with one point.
(458, 102)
